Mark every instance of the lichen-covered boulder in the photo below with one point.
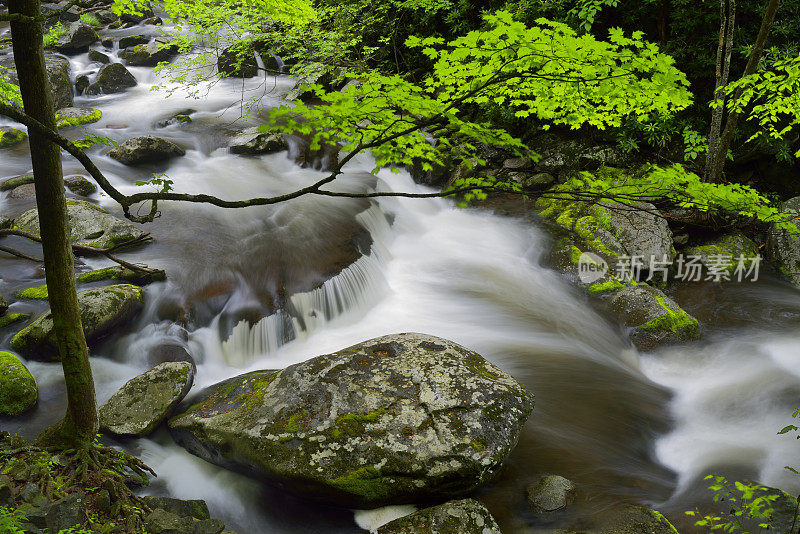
(68, 117)
(466, 516)
(10, 136)
(251, 141)
(655, 318)
(77, 38)
(145, 149)
(90, 225)
(18, 391)
(150, 54)
(392, 420)
(102, 310)
(550, 494)
(112, 78)
(725, 257)
(783, 247)
(146, 400)
(638, 227)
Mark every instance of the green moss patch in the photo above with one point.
(18, 391)
(11, 136)
(17, 181)
(678, 322)
(33, 293)
(11, 318)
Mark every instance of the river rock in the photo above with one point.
(11, 136)
(392, 420)
(466, 516)
(145, 149)
(783, 247)
(655, 318)
(723, 256)
(193, 508)
(638, 227)
(150, 54)
(18, 391)
(3, 305)
(102, 310)
(112, 78)
(70, 15)
(99, 57)
(120, 273)
(146, 400)
(79, 185)
(67, 514)
(77, 38)
(23, 192)
(625, 519)
(90, 225)
(237, 62)
(133, 40)
(16, 181)
(550, 494)
(82, 83)
(141, 14)
(57, 72)
(251, 141)
(67, 117)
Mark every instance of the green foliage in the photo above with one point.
(159, 181)
(770, 98)
(90, 19)
(11, 520)
(676, 185)
(742, 501)
(53, 34)
(89, 139)
(586, 11)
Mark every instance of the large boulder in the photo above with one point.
(146, 400)
(68, 117)
(112, 78)
(237, 61)
(252, 141)
(60, 83)
(77, 38)
(18, 391)
(728, 256)
(466, 516)
(783, 246)
(150, 54)
(90, 225)
(655, 318)
(392, 420)
(102, 310)
(639, 227)
(624, 519)
(145, 149)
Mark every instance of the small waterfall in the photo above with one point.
(348, 294)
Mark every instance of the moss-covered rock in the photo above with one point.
(625, 519)
(11, 183)
(655, 318)
(33, 293)
(102, 310)
(122, 274)
(466, 516)
(77, 38)
(783, 247)
(150, 54)
(18, 391)
(391, 420)
(146, 400)
(145, 149)
(90, 225)
(79, 185)
(252, 141)
(68, 117)
(11, 136)
(3, 305)
(550, 494)
(725, 254)
(112, 78)
(11, 318)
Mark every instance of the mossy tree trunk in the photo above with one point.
(79, 426)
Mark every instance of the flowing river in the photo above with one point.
(642, 428)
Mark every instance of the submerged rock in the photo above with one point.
(90, 225)
(11, 136)
(252, 141)
(656, 319)
(102, 310)
(783, 246)
(145, 149)
(466, 516)
(18, 391)
(550, 494)
(146, 400)
(391, 420)
(112, 78)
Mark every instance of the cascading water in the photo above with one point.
(271, 287)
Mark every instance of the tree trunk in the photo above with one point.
(79, 426)
(727, 22)
(733, 118)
